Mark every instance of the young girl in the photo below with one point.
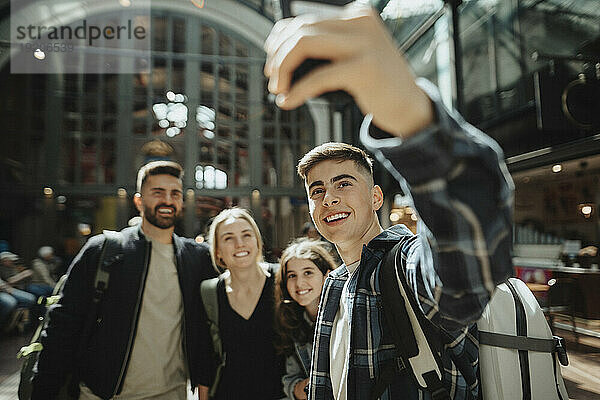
(247, 366)
(304, 266)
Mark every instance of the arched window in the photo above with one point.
(204, 93)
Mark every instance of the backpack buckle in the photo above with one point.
(400, 364)
(560, 349)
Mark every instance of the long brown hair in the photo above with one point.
(290, 324)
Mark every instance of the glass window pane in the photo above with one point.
(241, 132)
(269, 165)
(242, 166)
(268, 132)
(287, 165)
(159, 33)
(208, 36)
(89, 160)
(69, 156)
(179, 37)
(178, 76)
(108, 161)
(225, 45)
(207, 80)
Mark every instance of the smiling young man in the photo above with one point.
(144, 344)
(459, 185)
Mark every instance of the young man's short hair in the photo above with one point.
(338, 152)
(161, 167)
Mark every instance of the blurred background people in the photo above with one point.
(13, 300)
(47, 265)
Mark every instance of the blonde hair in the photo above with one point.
(214, 227)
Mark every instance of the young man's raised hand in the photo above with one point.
(364, 62)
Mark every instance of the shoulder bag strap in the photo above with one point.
(111, 252)
(398, 305)
(208, 293)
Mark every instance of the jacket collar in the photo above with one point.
(374, 252)
(389, 237)
(136, 233)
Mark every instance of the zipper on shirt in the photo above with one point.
(133, 329)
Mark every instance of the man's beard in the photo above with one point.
(159, 221)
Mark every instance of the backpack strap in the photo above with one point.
(111, 253)
(417, 340)
(210, 300)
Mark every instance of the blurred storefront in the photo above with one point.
(528, 74)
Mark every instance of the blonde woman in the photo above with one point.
(239, 330)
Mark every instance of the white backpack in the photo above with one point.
(517, 352)
(518, 356)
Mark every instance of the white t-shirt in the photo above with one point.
(339, 346)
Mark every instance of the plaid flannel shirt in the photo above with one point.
(463, 193)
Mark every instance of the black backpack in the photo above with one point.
(423, 346)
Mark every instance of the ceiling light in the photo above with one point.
(556, 168)
(587, 209)
(39, 54)
(84, 229)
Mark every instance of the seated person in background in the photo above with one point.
(12, 298)
(249, 367)
(460, 187)
(13, 272)
(8, 305)
(47, 265)
(298, 283)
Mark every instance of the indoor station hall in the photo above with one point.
(183, 80)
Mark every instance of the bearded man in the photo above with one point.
(144, 340)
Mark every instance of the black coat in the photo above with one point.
(103, 363)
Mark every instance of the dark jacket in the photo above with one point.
(104, 357)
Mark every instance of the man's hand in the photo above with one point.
(364, 62)
(299, 392)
